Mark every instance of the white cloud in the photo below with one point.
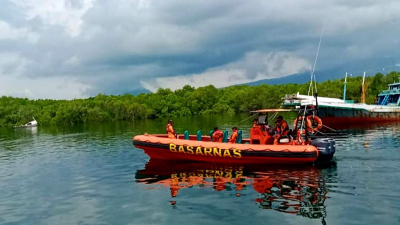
(252, 67)
(67, 14)
(55, 87)
(9, 32)
(104, 46)
(42, 88)
(143, 4)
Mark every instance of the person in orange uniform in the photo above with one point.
(170, 130)
(217, 135)
(255, 123)
(234, 135)
(282, 129)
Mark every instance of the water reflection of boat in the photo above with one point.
(296, 190)
(32, 123)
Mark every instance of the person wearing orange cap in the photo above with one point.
(170, 130)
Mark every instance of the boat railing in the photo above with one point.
(386, 91)
(392, 91)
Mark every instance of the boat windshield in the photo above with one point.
(263, 119)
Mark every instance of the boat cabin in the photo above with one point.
(390, 96)
(261, 133)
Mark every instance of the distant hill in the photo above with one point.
(295, 78)
(301, 78)
(298, 78)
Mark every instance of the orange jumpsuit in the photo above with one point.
(282, 129)
(233, 137)
(170, 131)
(217, 136)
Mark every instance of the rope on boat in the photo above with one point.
(275, 113)
(271, 118)
(330, 128)
(321, 133)
(246, 119)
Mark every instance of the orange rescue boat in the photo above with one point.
(258, 149)
(162, 147)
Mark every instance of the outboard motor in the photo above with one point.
(333, 146)
(326, 148)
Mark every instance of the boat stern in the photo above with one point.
(326, 148)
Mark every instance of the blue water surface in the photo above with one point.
(92, 174)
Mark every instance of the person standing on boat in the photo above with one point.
(217, 135)
(234, 135)
(170, 130)
(281, 128)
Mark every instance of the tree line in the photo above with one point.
(182, 102)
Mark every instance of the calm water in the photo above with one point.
(93, 175)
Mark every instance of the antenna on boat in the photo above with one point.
(363, 89)
(344, 88)
(315, 62)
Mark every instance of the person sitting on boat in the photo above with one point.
(234, 135)
(255, 122)
(265, 128)
(281, 129)
(170, 130)
(217, 135)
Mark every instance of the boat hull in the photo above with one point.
(25, 126)
(335, 111)
(160, 147)
(353, 115)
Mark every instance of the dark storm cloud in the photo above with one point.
(114, 47)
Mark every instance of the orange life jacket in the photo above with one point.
(233, 137)
(217, 136)
(170, 131)
(283, 128)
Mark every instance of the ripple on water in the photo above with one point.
(96, 176)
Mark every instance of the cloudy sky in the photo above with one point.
(65, 49)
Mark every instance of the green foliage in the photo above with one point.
(182, 102)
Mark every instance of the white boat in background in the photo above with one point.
(334, 110)
(32, 123)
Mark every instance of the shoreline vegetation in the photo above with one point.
(182, 102)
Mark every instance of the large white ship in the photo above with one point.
(334, 110)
